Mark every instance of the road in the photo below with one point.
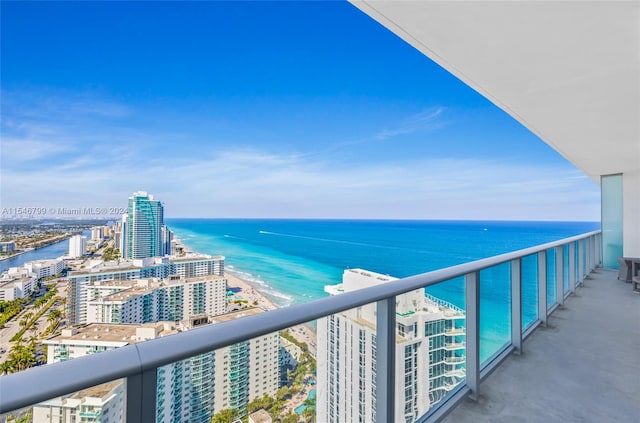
(12, 327)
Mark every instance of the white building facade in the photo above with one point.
(77, 246)
(124, 270)
(97, 233)
(7, 246)
(246, 370)
(191, 390)
(429, 354)
(12, 288)
(102, 403)
(150, 300)
(45, 268)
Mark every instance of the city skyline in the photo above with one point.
(259, 110)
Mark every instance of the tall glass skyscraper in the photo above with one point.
(144, 227)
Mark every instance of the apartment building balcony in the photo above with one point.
(453, 346)
(454, 332)
(599, 308)
(582, 366)
(453, 361)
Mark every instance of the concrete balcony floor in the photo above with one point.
(583, 367)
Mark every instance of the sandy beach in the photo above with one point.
(303, 333)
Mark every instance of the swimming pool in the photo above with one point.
(312, 395)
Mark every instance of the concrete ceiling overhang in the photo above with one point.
(569, 71)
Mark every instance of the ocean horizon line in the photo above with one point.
(349, 219)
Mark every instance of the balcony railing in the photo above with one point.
(574, 258)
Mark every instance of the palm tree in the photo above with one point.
(6, 367)
(23, 322)
(225, 415)
(63, 303)
(54, 314)
(22, 357)
(309, 412)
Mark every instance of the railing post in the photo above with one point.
(572, 267)
(472, 301)
(592, 255)
(141, 397)
(599, 250)
(542, 287)
(581, 272)
(588, 245)
(559, 275)
(516, 304)
(385, 359)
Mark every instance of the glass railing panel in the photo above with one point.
(105, 402)
(495, 311)
(233, 382)
(585, 256)
(347, 365)
(576, 262)
(430, 348)
(565, 268)
(529, 290)
(551, 277)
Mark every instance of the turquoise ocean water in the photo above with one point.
(292, 260)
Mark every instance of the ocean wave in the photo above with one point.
(264, 288)
(338, 241)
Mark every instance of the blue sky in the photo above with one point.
(258, 109)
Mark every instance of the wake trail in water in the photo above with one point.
(340, 241)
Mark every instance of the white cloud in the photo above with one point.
(20, 150)
(100, 162)
(253, 184)
(426, 120)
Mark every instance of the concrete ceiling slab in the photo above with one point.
(567, 70)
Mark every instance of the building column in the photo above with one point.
(631, 213)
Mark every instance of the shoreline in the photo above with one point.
(17, 254)
(303, 332)
(39, 247)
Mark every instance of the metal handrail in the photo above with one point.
(43, 383)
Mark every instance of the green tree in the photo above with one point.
(226, 415)
(282, 393)
(54, 314)
(291, 418)
(309, 412)
(266, 402)
(21, 356)
(6, 367)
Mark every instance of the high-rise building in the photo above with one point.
(120, 238)
(167, 237)
(246, 370)
(77, 246)
(8, 246)
(144, 222)
(97, 233)
(190, 266)
(101, 403)
(191, 390)
(151, 300)
(429, 352)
